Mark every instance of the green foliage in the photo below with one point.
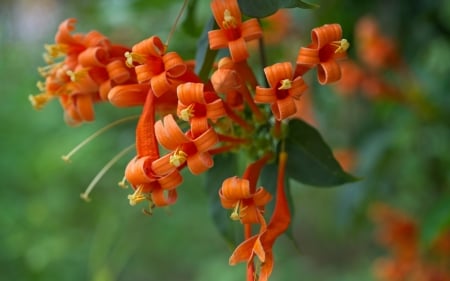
(311, 161)
(264, 8)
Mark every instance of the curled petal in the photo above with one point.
(308, 56)
(217, 39)
(174, 65)
(118, 71)
(191, 93)
(199, 125)
(63, 35)
(128, 95)
(235, 188)
(261, 197)
(251, 29)
(225, 80)
(250, 214)
(284, 108)
(93, 56)
(328, 72)
(85, 107)
(171, 180)
(277, 72)
(238, 50)
(104, 89)
(199, 162)
(169, 134)
(215, 110)
(326, 34)
(264, 95)
(298, 87)
(152, 46)
(161, 84)
(138, 171)
(159, 198)
(206, 141)
(96, 39)
(162, 166)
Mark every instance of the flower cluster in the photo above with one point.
(407, 260)
(186, 120)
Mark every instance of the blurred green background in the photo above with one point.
(48, 233)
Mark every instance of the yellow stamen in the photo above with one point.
(151, 206)
(123, 183)
(235, 214)
(138, 196)
(48, 69)
(178, 158)
(102, 172)
(341, 45)
(56, 50)
(76, 75)
(286, 84)
(187, 113)
(39, 101)
(96, 134)
(132, 58)
(228, 20)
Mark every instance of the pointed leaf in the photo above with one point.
(264, 8)
(310, 159)
(204, 58)
(436, 221)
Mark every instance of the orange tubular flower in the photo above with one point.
(260, 245)
(197, 106)
(242, 195)
(164, 71)
(150, 184)
(233, 33)
(326, 48)
(184, 146)
(284, 90)
(79, 65)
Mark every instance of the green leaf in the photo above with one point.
(204, 57)
(264, 8)
(435, 221)
(310, 160)
(225, 166)
(190, 25)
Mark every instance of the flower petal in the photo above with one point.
(328, 72)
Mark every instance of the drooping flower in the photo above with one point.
(233, 33)
(241, 195)
(260, 245)
(326, 49)
(81, 69)
(284, 90)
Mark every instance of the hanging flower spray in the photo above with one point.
(205, 116)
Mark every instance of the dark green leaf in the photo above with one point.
(204, 57)
(225, 166)
(310, 160)
(190, 25)
(264, 8)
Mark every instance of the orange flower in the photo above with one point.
(164, 71)
(260, 245)
(184, 147)
(326, 48)
(284, 90)
(197, 106)
(242, 195)
(79, 65)
(233, 33)
(150, 184)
